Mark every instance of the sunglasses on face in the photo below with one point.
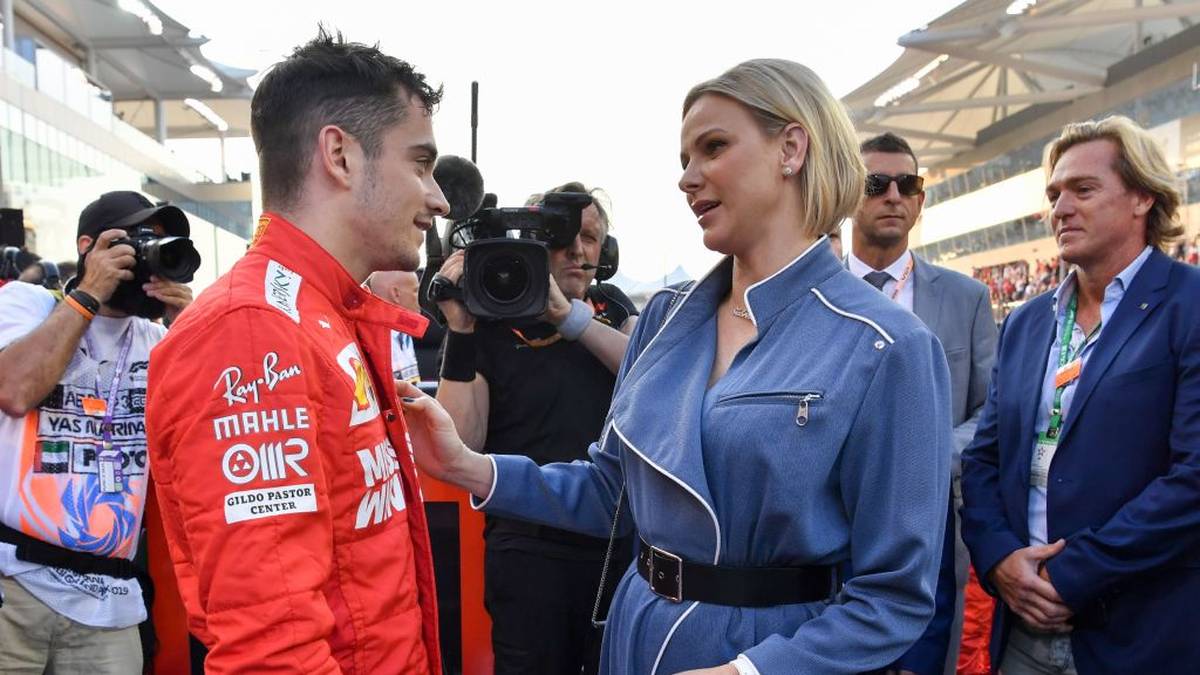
(908, 184)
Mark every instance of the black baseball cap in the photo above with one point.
(125, 209)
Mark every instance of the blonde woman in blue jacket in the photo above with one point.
(780, 434)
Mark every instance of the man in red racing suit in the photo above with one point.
(288, 492)
(280, 450)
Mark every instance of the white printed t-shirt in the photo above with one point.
(49, 485)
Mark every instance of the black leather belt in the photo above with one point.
(677, 580)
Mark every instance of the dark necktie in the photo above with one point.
(877, 279)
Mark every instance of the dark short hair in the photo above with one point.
(327, 81)
(889, 142)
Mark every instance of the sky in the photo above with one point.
(576, 91)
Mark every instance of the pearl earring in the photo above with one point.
(787, 170)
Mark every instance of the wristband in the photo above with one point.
(75, 305)
(85, 299)
(577, 320)
(458, 358)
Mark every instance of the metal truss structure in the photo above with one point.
(986, 61)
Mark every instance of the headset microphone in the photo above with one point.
(610, 257)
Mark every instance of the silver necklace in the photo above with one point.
(740, 312)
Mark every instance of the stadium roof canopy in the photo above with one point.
(967, 76)
(139, 54)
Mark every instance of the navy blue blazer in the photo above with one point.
(1124, 483)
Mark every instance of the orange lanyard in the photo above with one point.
(536, 342)
(903, 278)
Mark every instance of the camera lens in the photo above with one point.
(169, 259)
(505, 278)
(172, 258)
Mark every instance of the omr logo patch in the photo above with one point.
(366, 405)
(241, 465)
(273, 460)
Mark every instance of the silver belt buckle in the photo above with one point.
(666, 574)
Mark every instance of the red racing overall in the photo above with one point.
(289, 495)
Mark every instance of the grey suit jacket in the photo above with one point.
(958, 310)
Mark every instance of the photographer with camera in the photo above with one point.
(72, 440)
(540, 387)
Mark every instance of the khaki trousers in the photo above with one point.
(35, 639)
(1030, 653)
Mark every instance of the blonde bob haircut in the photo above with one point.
(780, 92)
(1141, 165)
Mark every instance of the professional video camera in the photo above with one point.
(506, 269)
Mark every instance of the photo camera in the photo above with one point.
(170, 258)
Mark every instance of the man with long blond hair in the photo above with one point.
(1082, 485)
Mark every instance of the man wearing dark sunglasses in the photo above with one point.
(907, 184)
(958, 310)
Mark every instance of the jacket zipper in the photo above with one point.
(803, 399)
(802, 409)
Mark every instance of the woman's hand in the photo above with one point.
(437, 448)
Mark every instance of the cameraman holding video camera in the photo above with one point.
(541, 387)
(72, 440)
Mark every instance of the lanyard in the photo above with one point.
(1065, 356)
(110, 403)
(535, 342)
(903, 278)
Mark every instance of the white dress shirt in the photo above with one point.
(860, 269)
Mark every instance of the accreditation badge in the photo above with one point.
(1039, 466)
(93, 406)
(109, 470)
